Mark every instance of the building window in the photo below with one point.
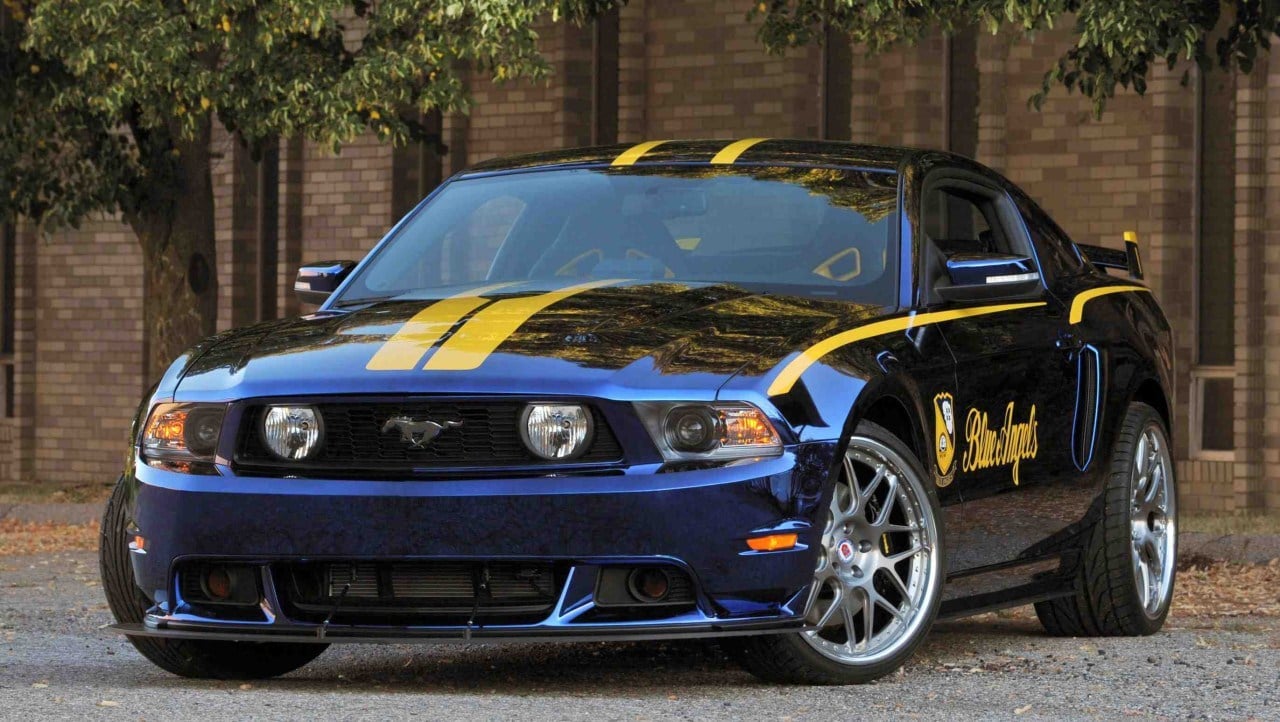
(1213, 374)
(8, 318)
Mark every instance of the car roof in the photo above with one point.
(749, 150)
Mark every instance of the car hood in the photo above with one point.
(624, 341)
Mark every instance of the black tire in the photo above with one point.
(790, 659)
(1107, 601)
(184, 657)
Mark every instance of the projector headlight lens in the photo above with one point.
(557, 432)
(292, 433)
(709, 431)
(693, 428)
(179, 435)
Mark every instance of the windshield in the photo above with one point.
(811, 231)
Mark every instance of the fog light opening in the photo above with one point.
(649, 584)
(217, 584)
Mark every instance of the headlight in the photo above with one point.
(556, 432)
(180, 435)
(709, 431)
(292, 433)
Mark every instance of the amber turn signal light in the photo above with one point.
(772, 543)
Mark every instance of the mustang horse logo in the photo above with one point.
(417, 434)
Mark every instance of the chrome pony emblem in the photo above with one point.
(418, 434)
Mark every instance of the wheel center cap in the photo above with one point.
(845, 551)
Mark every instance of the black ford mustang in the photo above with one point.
(803, 396)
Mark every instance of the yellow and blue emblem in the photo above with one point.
(944, 426)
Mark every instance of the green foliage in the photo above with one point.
(95, 94)
(1117, 41)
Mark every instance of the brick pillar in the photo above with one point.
(633, 99)
(573, 86)
(1263, 491)
(993, 56)
(864, 96)
(1252, 232)
(291, 176)
(911, 104)
(1167, 237)
(239, 277)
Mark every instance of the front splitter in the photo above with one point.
(338, 634)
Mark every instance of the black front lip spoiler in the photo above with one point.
(231, 632)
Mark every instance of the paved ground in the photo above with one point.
(56, 661)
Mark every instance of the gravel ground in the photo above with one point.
(57, 661)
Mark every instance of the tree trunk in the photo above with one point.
(175, 227)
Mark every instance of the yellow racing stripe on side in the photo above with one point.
(793, 370)
(632, 154)
(405, 349)
(481, 336)
(1077, 303)
(730, 153)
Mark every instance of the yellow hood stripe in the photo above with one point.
(730, 153)
(1077, 303)
(405, 349)
(632, 154)
(478, 338)
(792, 371)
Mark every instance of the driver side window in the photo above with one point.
(958, 221)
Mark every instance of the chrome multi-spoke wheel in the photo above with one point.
(1152, 519)
(878, 581)
(877, 569)
(1123, 580)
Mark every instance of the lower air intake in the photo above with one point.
(359, 591)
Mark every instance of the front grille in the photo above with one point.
(355, 442)
(444, 591)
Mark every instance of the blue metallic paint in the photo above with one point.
(698, 519)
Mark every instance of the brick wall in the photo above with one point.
(703, 75)
(346, 199)
(88, 315)
(699, 72)
(515, 117)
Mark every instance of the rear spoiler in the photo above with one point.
(1127, 260)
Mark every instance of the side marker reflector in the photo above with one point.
(772, 543)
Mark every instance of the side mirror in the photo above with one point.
(987, 276)
(317, 281)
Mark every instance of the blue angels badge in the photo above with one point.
(944, 428)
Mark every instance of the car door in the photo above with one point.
(1015, 386)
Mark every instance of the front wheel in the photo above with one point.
(878, 579)
(185, 657)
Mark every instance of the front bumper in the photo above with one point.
(695, 521)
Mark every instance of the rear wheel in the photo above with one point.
(1129, 560)
(184, 657)
(877, 584)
